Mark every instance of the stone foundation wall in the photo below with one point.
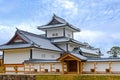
(17, 77)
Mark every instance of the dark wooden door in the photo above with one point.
(72, 66)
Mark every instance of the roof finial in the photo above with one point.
(16, 28)
(54, 14)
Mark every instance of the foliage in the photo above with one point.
(114, 51)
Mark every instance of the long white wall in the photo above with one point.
(102, 66)
(45, 54)
(115, 66)
(87, 66)
(16, 56)
(43, 66)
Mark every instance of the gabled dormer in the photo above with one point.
(58, 27)
(17, 39)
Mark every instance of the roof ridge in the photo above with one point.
(33, 34)
(59, 18)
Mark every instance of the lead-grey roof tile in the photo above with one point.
(33, 40)
(15, 46)
(90, 51)
(102, 59)
(79, 56)
(40, 41)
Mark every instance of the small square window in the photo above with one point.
(55, 34)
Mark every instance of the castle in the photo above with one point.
(56, 51)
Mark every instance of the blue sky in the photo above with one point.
(99, 20)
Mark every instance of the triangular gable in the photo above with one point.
(56, 20)
(16, 39)
(68, 57)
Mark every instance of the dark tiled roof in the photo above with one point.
(15, 46)
(66, 39)
(57, 22)
(103, 59)
(40, 60)
(32, 40)
(79, 56)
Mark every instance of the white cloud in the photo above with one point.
(67, 4)
(7, 31)
(99, 39)
(116, 35)
(29, 27)
(70, 6)
(87, 35)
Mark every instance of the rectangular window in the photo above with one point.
(55, 34)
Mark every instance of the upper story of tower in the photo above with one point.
(58, 27)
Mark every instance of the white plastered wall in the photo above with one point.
(87, 66)
(71, 46)
(62, 46)
(115, 66)
(37, 54)
(16, 56)
(58, 66)
(50, 32)
(68, 33)
(102, 66)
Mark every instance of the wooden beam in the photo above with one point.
(69, 55)
(110, 66)
(4, 69)
(94, 67)
(50, 67)
(15, 68)
(67, 66)
(39, 67)
(24, 69)
(81, 67)
(62, 67)
(30, 68)
(78, 67)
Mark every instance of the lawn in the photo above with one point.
(77, 77)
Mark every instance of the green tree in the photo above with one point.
(114, 51)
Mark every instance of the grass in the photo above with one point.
(77, 77)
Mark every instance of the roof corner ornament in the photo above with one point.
(54, 15)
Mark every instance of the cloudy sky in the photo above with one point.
(99, 20)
